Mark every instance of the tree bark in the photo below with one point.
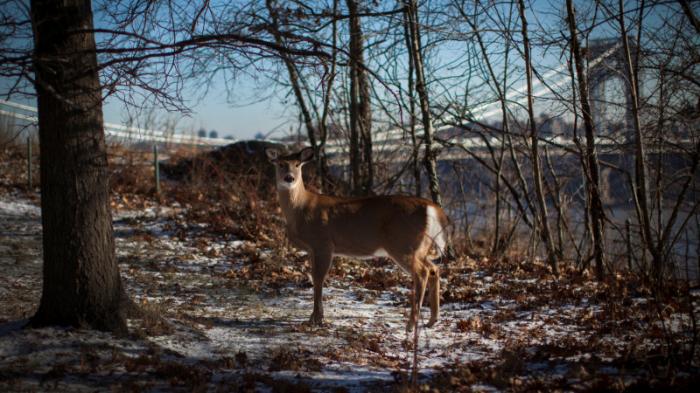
(534, 140)
(81, 286)
(593, 172)
(360, 110)
(415, 144)
(429, 160)
(326, 184)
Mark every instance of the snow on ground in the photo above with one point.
(20, 256)
(10, 209)
(232, 323)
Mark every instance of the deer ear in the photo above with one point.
(307, 154)
(272, 154)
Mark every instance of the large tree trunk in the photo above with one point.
(534, 140)
(360, 110)
(82, 286)
(593, 173)
(411, 9)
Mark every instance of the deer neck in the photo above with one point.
(292, 199)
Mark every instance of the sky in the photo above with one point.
(249, 115)
(240, 120)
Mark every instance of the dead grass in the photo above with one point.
(151, 320)
(294, 360)
(13, 169)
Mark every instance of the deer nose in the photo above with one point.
(289, 179)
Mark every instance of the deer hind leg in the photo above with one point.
(320, 265)
(420, 281)
(433, 292)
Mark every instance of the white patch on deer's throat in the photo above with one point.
(434, 229)
(381, 253)
(283, 185)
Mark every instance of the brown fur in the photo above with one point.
(359, 227)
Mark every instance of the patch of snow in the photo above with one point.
(10, 208)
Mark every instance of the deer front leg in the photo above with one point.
(320, 265)
(433, 293)
(420, 281)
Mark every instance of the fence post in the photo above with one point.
(156, 169)
(29, 161)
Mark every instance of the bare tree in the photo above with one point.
(316, 129)
(534, 146)
(500, 86)
(415, 143)
(641, 193)
(591, 171)
(430, 162)
(360, 110)
(293, 77)
(81, 286)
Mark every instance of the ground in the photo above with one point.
(226, 301)
(234, 319)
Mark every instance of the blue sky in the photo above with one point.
(250, 114)
(240, 120)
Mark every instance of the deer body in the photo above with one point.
(402, 228)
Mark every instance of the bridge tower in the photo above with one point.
(606, 68)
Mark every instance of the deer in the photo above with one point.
(402, 228)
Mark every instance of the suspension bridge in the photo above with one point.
(27, 116)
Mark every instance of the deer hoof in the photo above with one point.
(431, 322)
(409, 326)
